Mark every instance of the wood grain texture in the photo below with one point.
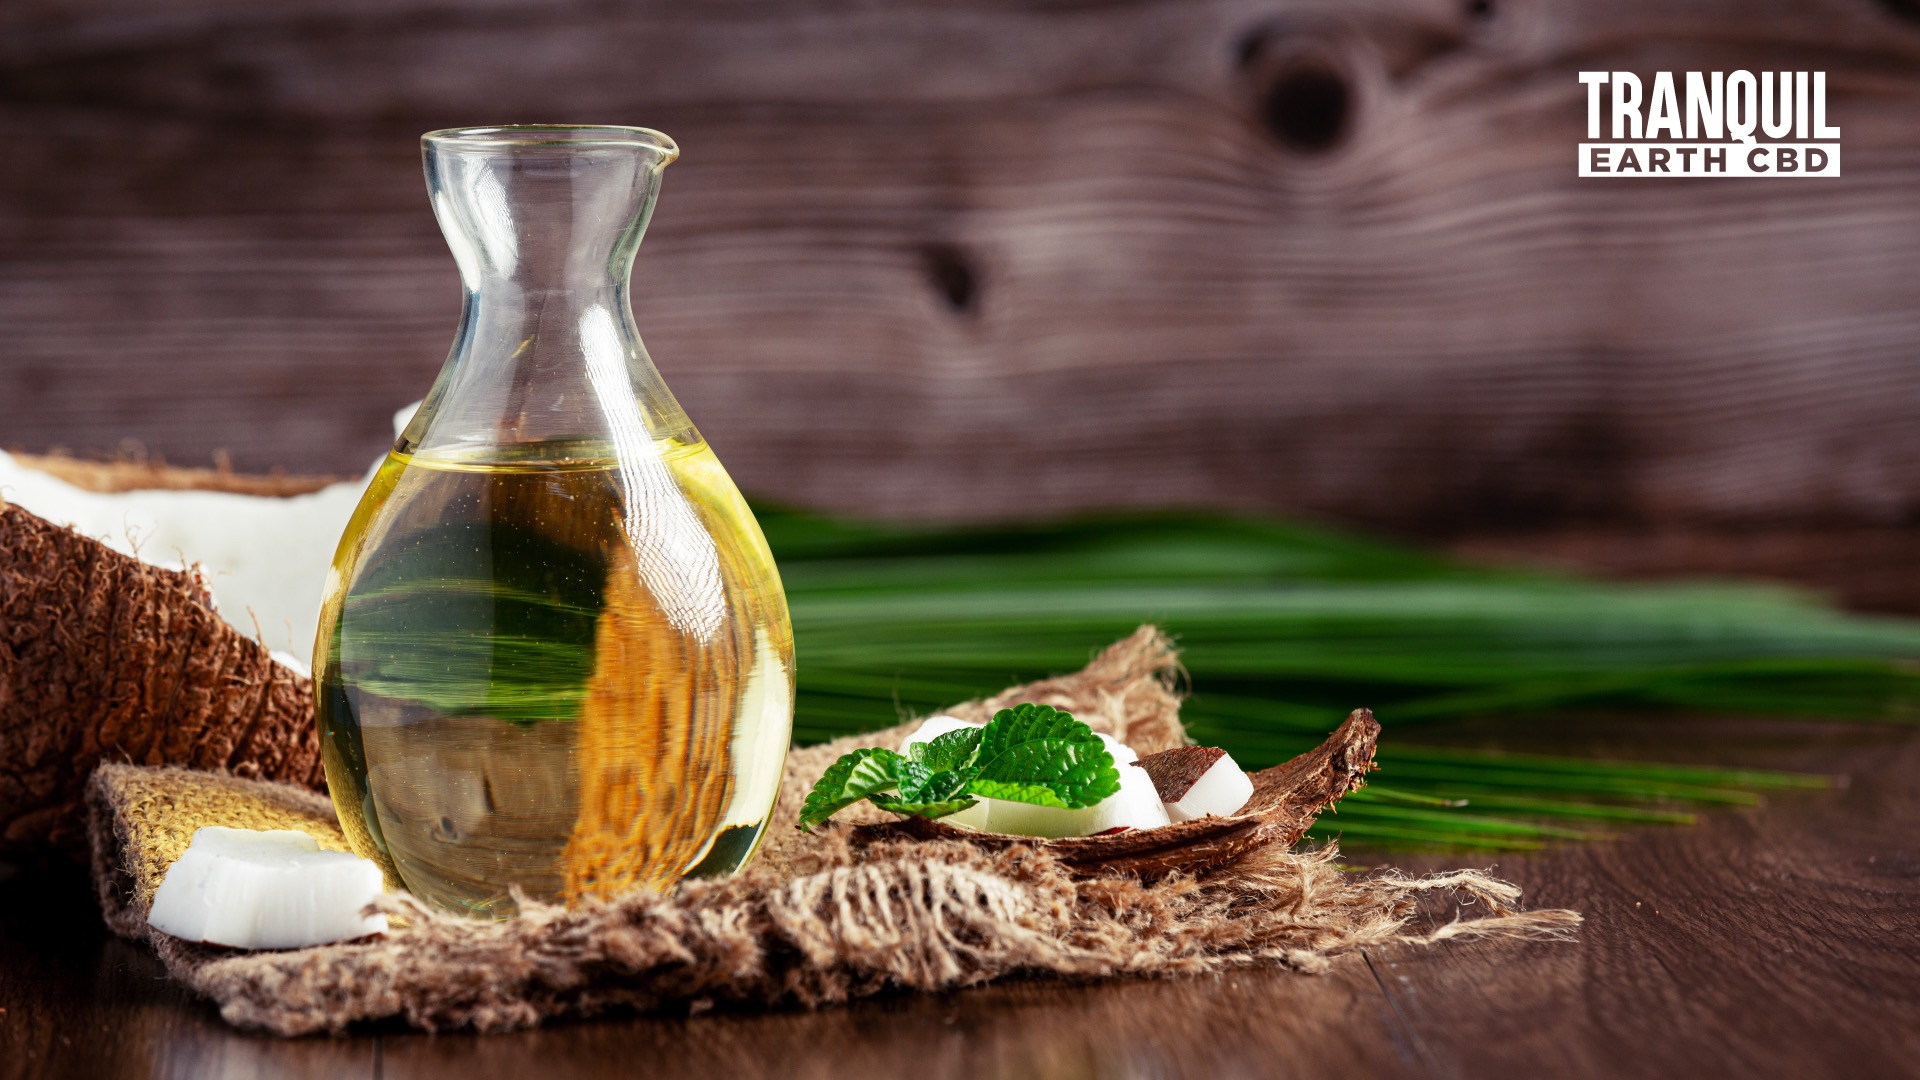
(1253, 1024)
(984, 259)
(1777, 941)
(1774, 942)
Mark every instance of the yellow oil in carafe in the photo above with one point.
(559, 668)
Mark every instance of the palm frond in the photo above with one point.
(1285, 627)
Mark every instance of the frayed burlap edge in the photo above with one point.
(815, 921)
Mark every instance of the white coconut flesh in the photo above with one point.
(275, 889)
(1135, 806)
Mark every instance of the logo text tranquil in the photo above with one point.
(1773, 123)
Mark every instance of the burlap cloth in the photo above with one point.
(813, 920)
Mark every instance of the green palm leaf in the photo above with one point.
(1286, 627)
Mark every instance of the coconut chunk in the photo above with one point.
(1122, 753)
(1135, 806)
(265, 890)
(1197, 781)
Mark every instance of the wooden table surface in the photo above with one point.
(1782, 940)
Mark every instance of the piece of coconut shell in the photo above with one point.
(1286, 800)
(144, 474)
(105, 658)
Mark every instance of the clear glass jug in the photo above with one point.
(554, 653)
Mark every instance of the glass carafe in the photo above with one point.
(555, 654)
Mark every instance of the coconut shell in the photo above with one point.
(1286, 800)
(105, 658)
(140, 474)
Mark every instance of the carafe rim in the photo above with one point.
(517, 136)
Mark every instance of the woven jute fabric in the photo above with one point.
(814, 920)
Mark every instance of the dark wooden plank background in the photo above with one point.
(1008, 257)
(1777, 941)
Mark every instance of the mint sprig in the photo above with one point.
(1029, 753)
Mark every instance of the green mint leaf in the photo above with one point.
(914, 778)
(954, 750)
(864, 772)
(948, 785)
(1027, 722)
(1036, 747)
(923, 809)
(1029, 753)
(921, 784)
(1011, 791)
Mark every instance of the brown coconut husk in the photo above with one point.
(105, 658)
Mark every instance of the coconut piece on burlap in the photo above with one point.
(818, 918)
(138, 812)
(106, 658)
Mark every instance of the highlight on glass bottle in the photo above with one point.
(555, 654)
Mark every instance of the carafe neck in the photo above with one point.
(544, 223)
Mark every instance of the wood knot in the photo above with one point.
(1306, 107)
(953, 276)
(1303, 97)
